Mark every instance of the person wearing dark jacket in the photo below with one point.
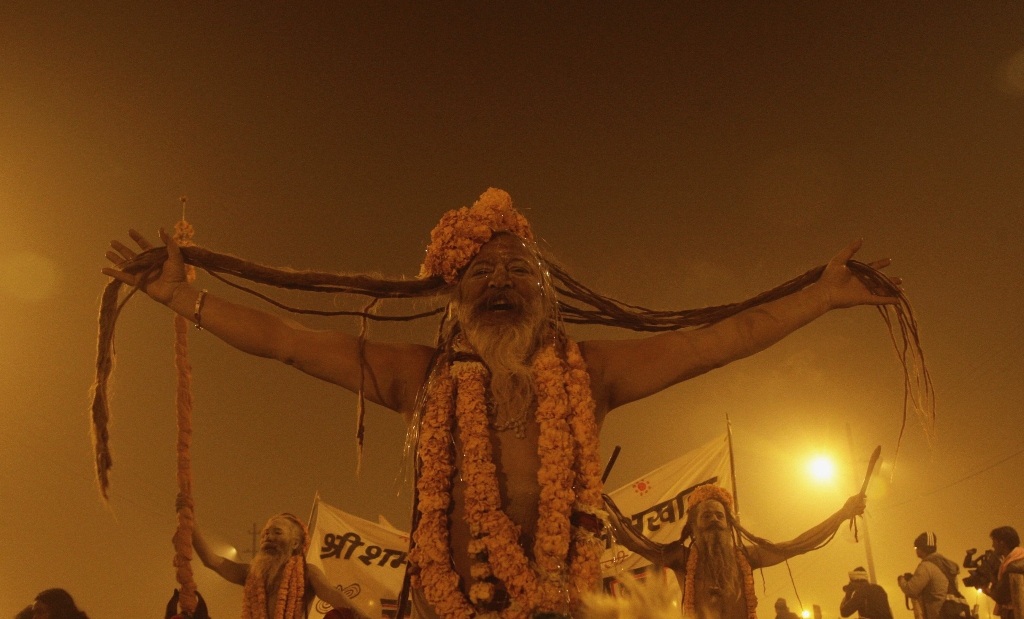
(866, 599)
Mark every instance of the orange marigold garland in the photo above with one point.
(585, 555)
(556, 450)
(566, 554)
(432, 553)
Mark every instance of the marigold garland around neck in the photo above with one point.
(566, 555)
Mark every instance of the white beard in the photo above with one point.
(506, 350)
(267, 567)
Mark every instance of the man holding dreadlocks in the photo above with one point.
(278, 582)
(508, 399)
(712, 564)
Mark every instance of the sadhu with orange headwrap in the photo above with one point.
(504, 394)
(712, 563)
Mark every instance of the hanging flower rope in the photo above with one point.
(183, 404)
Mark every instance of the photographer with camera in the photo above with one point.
(933, 583)
(1006, 546)
(866, 599)
(983, 571)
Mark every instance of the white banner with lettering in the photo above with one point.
(656, 503)
(364, 559)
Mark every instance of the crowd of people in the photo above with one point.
(933, 587)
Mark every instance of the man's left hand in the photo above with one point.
(843, 289)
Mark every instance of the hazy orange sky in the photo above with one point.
(670, 154)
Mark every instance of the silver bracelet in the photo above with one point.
(197, 316)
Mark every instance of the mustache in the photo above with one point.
(506, 299)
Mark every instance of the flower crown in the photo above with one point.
(709, 492)
(461, 233)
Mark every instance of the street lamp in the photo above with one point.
(822, 469)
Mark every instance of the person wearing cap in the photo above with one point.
(865, 598)
(278, 582)
(934, 580)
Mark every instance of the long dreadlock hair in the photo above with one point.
(575, 303)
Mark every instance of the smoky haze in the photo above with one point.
(672, 155)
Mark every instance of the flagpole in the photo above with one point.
(732, 466)
(313, 511)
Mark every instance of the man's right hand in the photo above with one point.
(162, 285)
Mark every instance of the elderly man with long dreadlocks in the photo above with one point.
(278, 582)
(712, 564)
(505, 398)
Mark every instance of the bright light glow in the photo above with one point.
(822, 469)
(805, 614)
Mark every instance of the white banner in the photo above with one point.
(656, 504)
(362, 558)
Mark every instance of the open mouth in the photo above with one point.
(500, 303)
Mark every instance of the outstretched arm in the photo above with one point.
(229, 570)
(672, 555)
(393, 372)
(323, 588)
(809, 540)
(626, 370)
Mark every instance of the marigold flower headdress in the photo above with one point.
(710, 492)
(461, 233)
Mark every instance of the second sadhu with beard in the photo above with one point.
(711, 562)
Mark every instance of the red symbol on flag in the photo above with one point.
(641, 487)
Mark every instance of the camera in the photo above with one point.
(981, 571)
